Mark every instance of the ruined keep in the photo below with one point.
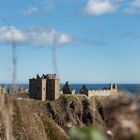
(45, 87)
(84, 90)
(66, 88)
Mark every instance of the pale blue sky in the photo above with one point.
(98, 41)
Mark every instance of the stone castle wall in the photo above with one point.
(106, 92)
(44, 88)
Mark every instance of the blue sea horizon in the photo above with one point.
(132, 89)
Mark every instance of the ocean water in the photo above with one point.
(133, 89)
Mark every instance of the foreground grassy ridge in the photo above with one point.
(32, 119)
(29, 120)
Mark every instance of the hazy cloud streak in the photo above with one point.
(99, 7)
(34, 36)
(30, 10)
(133, 7)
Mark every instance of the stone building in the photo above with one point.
(84, 90)
(111, 90)
(52, 87)
(44, 88)
(66, 88)
(113, 87)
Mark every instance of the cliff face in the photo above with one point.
(71, 110)
(23, 119)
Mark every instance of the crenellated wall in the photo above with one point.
(104, 92)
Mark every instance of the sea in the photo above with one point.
(131, 89)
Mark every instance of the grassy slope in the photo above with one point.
(77, 109)
(33, 119)
(29, 120)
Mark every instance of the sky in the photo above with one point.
(84, 41)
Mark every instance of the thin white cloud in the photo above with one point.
(30, 10)
(99, 7)
(135, 3)
(64, 39)
(11, 33)
(34, 36)
(131, 11)
(132, 7)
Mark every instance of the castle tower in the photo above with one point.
(44, 88)
(37, 88)
(113, 87)
(84, 90)
(66, 88)
(52, 87)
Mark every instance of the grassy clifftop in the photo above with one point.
(49, 120)
(27, 119)
(75, 110)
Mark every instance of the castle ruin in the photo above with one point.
(111, 90)
(66, 88)
(45, 87)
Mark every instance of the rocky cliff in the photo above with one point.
(23, 119)
(72, 110)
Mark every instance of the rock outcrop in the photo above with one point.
(75, 111)
(22, 119)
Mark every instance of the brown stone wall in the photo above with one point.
(44, 88)
(52, 89)
(37, 89)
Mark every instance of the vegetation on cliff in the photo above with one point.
(27, 120)
(70, 117)
(75, 110)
